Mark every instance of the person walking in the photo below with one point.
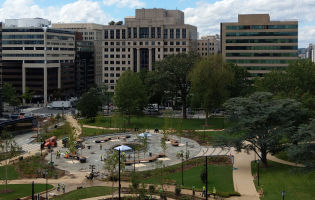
(203, 191)
(58, 187)
(63, 188)
(101, 147)
(193, 190)
(214, 191)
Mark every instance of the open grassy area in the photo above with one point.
(203, 137)
(21, 190)
(12, 174)
(86, 132)
(85, 193)
(297, 182)
(147, 122)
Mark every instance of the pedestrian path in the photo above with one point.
(213, 151)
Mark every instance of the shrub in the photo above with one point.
(177, 190)
(151, 189)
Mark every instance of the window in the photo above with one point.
(117, 75)
(123, 56)
(106, 68)
(106, 34)
(123, 68)
(112, 75)
(105, 62)
(184, 33)
(123, 62)
(123, 32)
(117, 62)
(184, 43)
(117, 33)
(106, 56)
(117, 43)
(111, 34)
(144, 32)
(171, 33)
(165, 33)
(177, 49)
(177, 33)
(106, 81)
(112, 49)
(112, 68)
(171, 43)
(112, 43)
(177, 43)
(112, 56)
(106, 43)
(106, 74)
(106, 49)
(129, 32)
(165, 43)
(112, 81)
(171, 49)
(153, 43)
(152, 32)
(135, 35)
(123, 49)
(117, 56)
(117, 68)
(112, 62)
(159, 32)
(117, 49)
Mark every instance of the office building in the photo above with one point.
(39, 58)
(209, 45)
(1, 101)
(258, 44)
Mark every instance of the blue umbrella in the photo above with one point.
(145, 134)
(122, 148)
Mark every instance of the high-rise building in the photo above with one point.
(209, 45)
(149, 36)
(39, 58)
(258, 44)
(1, 101)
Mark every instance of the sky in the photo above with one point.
(205, 14)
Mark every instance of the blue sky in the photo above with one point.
(205, 14)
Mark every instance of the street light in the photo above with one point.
(283, 194)
(119, 174)
(258, 161)
(206, 177)
(183, 168)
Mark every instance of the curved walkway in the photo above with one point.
(74, 123)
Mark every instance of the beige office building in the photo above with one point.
(258, 44)
(209, 45)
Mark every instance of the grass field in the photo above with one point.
(21, 190)
(146, 122)
(85, 193)
(219, 176)
(86, 132)
(297, 182)
(12, 174)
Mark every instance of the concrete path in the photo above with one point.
(275, 159)
(74, 123)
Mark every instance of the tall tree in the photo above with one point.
(28, 94)
(304, 150)
(130, 95)
(260, 122)
(210, 80)
(174, 69)
(10, 95)
(241, 84)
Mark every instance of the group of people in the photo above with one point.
(58, 154)
(204, 191)
(59, 186)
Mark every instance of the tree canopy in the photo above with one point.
(210, 80)
(261, 122)
(10, 95)
(130, 95)
(174, 70)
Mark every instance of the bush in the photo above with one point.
(177, 190)
(135, 181)
(151, 189)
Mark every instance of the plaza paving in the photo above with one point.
(95, 153)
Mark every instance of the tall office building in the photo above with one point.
(258, 44)
(39, 58)
(92, 33)
(209, 45)
(149, 36)
(1, 101)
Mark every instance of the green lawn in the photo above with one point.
(21, 190)
(297, 182)
(146, 122)
(219, 176)
(86, 132)
(12, 174)
(85, 193)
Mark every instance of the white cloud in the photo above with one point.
(77, 11)
(125, 3)
(306, 35)
(208, 16)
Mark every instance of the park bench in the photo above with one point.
(174, 143)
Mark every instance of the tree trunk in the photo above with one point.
(264, 157)
(207, 116)
(184, 109)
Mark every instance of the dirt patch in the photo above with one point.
(6, 191)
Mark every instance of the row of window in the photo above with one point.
(258, 61)
(265, 68)
(23, 55)
(247, 27)
(48, 61)
(261, 48)
(261, 40)
(146, 43)
(112, 75)
(106, 62)
(115, 68)
(23, 42)
(144, 33)
(261, 54)
(229, 34)
(39, 36)
(38, 48)
(117, 56)
(206, 44)
(59, 37)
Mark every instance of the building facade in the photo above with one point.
(1, 101)
(39, 58)
(149, 36)
(258, 44)
(209, 45)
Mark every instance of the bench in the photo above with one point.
(175, 143)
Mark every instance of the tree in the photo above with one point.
(261, 122)
(111, 23)
(174, 70)
(241, 85)
(304, 150)
(210, 80)
(119, 23)
(8, 149)
(130, 95)
(91, 103)
(10, 95)
(28, 94)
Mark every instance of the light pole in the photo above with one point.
(51, 163)
(46, 176)
(183, 168)
(119, 174)
(134, 160)
(283, 194)
(206, 178)
(257, 161)
(32, 190)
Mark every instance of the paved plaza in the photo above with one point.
(96, 153)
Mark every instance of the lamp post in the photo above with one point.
(134, 160)
(257, 161)
(41, 146)
(283, 194)
(51, 163)
(32, 190)
(206, 178)
(183, 168)
(119, 174)
(46, 176)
